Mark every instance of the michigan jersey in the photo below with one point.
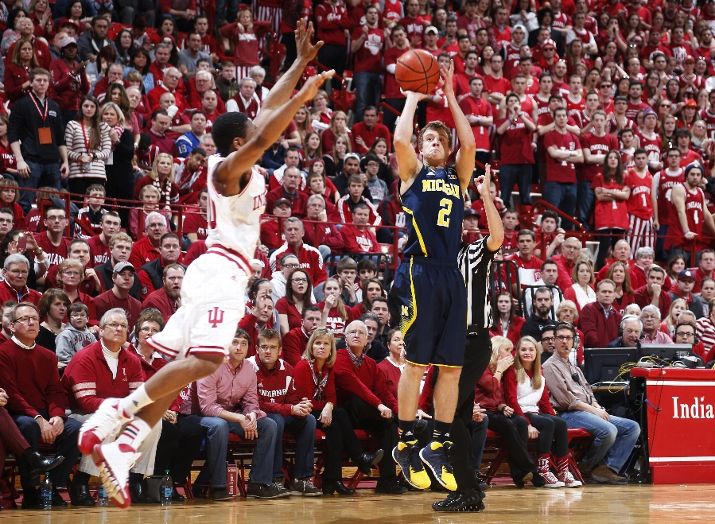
(434, 210)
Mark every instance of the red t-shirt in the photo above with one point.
(596, 145)
(392, 89)
(196, 223)
(612, 214)
(560, 170)
(478, 107)
(368, 58)
(515, 144)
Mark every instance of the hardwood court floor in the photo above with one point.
(591, 505)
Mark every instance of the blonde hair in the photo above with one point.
(148, 189)
(519, 365)
(154, 174)
(568, 304)
(318, 333)
(499, 343)
(114, 107)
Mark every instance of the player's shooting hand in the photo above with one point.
(447, 74)
(415, 95)
(313, 85)
(303, 36)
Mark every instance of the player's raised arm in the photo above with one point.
(494, 222)
(467, 145)
(283, 89)
(407, 162)
(231, 172)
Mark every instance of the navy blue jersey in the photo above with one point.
(434, 208)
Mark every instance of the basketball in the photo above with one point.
(417, 70)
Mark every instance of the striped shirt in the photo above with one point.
(475, 261)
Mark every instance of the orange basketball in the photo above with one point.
(417, 70)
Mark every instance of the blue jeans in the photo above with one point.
(304, 431)
(613, 439)
(584, 202)
(217, 430)
(519, 174)
(231, 10)
(47, 174)
(562, 196)
(367, 87)
(65, 444)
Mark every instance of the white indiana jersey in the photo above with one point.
(234, 221)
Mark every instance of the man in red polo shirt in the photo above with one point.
(367, 45)
(167, 298)
(147, 248)
(309, 256)
(366, 132)
(296, 340)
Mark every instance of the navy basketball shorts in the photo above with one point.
(430, 299)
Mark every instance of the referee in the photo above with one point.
(474, 261)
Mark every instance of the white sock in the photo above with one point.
(134, 433)
(135, 401)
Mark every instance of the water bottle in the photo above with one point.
(102, 499)
(46, 492)
(166, 489)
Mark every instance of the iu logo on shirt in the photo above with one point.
(215, 316)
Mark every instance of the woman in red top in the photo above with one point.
(618, 272)
(611, 210)
(526, 393)
(313, 378)
(393, 364)
(9, 196)
(507, 323)
(17, 70)
(299, 292)
(336, 315)
(511, 427)
(338, 127)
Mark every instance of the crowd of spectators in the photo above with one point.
(604, 109)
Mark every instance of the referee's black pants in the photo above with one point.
(478, 351)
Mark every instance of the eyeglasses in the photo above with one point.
(268, 348)
(684, 334)
(564, 338)
(300, 280)
(548, 339)
(291, 266)
(116, 325)
(26, 320)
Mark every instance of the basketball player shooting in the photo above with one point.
(198, 335)
(428, 294)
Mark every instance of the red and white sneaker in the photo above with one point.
(107, 420)
(114, 461)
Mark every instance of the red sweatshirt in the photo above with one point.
(294, 344)
(276, 391)
(366, 382)
(32, 381)
(88, 379)
(488, 392)
(510, 395)
(305, 386)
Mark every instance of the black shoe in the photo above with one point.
(137, 490)
(37, 463)
(176, 496)
(467, 502)
(390, 486)
(481, 481)
(200, 491)
(367, 460)
(80, 496)
(57, 500)
(335, 486)
(537, 480)
(219, 495)
(31, 499)
(265, 491)
(520, 479)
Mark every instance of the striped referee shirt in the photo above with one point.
(475, 262)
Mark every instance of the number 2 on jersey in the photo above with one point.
(443, 216)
